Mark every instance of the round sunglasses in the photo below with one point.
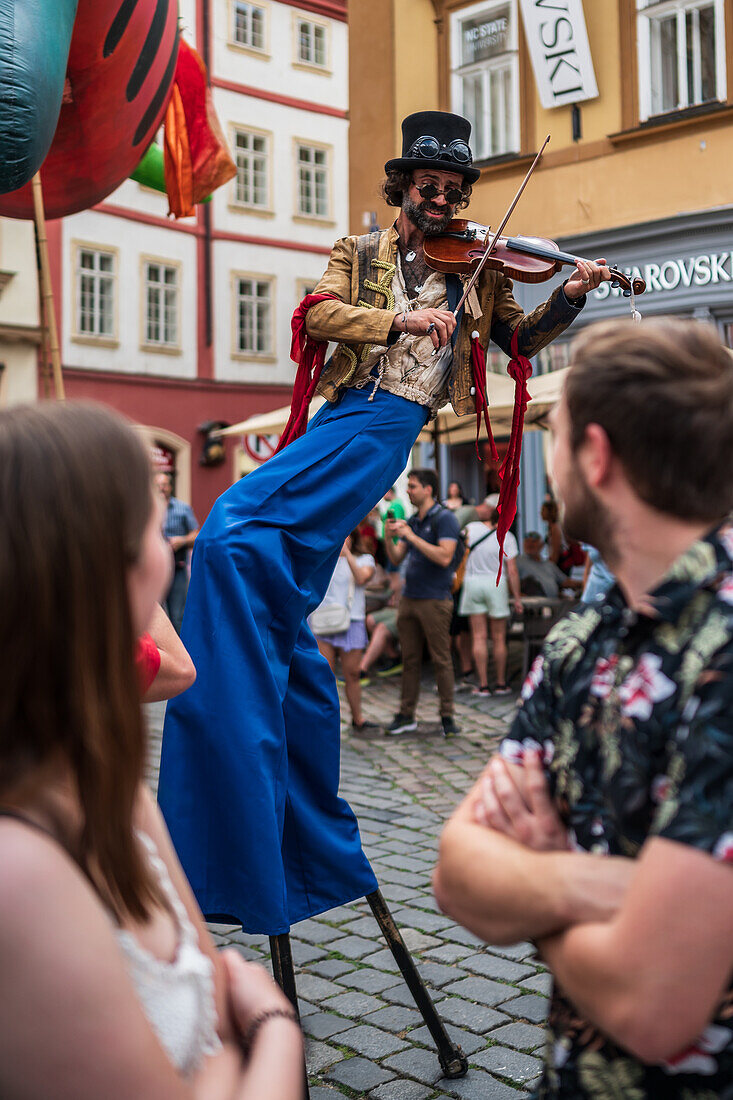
(429, 191)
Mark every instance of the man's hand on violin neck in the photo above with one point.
(436, 323)
(588, 275)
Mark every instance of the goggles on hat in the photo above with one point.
(430, 191)
(429, 148)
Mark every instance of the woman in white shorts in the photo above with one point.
(482, 598)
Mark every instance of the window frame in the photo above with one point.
(459, 71)
(244, 355)
(236, 204)
(256, 51)
(110, 340)
(317, 147)
(304, 63)
(645, 17)
(160, 346)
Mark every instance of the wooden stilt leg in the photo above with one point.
(284, 974)
(47, 308)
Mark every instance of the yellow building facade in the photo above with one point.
(638, 165)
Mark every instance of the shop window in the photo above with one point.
(254, 316)
(96, 278)
(161, 304)
(485, 75)
(313, 200)
(311, 43)
(248, 25)
(252, 158)
(681, 54)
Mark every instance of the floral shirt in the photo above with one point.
(635, 714)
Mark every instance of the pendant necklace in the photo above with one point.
(410, 256)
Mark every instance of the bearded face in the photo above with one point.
(421, 215)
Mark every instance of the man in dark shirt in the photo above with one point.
(604, 829)
(429, 540)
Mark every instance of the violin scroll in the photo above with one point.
(628, 286)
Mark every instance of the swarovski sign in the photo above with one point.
(705, 269)
(558, 45)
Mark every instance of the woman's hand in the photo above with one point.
(438, 324)
(251, 990)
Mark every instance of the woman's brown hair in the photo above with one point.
(75, 498)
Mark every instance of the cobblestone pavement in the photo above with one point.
(364, 1036)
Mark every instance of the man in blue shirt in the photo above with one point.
(180, 529)
(429, 540)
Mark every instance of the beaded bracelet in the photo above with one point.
(247, 1039)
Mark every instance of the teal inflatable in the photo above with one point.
(35, 37)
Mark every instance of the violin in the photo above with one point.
(462, 248)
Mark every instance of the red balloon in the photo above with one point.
(122, 63)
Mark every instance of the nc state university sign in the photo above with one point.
(558, 45)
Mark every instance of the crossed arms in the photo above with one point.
(642, 947)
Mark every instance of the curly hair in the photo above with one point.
(398, 182)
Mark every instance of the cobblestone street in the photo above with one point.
(364, 1036)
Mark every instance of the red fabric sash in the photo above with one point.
(520, 369)
(309, 354)
(478, 366)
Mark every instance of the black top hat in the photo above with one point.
(436, 139)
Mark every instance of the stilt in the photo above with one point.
(453, 1061)
(284, 974)
(46, 287)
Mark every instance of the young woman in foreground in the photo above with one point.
(110, 985)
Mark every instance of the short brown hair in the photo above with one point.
(398, 182)
(75, 498)
(663, 393)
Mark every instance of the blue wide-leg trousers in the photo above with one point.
(250, 760)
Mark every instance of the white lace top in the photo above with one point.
(177, 997)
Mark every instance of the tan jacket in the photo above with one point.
(358, 327)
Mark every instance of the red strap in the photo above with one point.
(520, 369)
(478, 366)
(309, 354)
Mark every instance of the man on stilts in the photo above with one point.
(250, 759)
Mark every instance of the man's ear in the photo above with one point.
(595, 455)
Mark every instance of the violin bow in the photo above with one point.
(474, 278)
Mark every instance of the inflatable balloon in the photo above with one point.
(85, 87)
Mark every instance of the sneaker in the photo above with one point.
(364, 727)
(392, 669)
(365, 680)
(502, 689)
(450, 729)
(485, 690)
(401, 724)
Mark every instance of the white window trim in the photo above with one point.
(298, 62)
(299, 216)
(254, 51)
(643, 25)
(458, 71)
(79, 337)
(160, 347)
(269, 356)
(247, 207)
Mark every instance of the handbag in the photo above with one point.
(333, 618)
(460, 573)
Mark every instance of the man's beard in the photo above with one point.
(583, 518)
(430, 227)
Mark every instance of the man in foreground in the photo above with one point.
(603, 830)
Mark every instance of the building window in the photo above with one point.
(95, 293)
(681, 54)
(248, 25)
(312, 181)
(161, 304)
(254, 316)
(252, 182)
(311, 43)
(485, 76)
